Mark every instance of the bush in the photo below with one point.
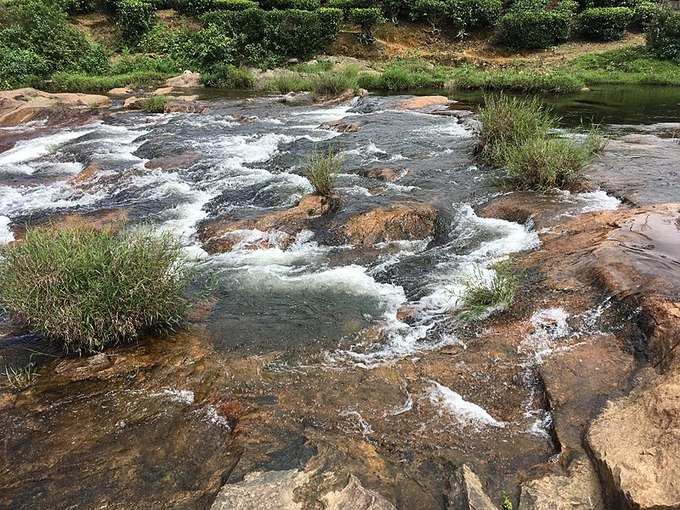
(154, 104)
(367, 19)
(547, 163)
(288, 82)
(321, 170)
(663, 36)
(76, 82)
(535, 28)
(43, 29)
(134, 18)
(434, 12)
(645, 13)
(395, 9)
(347, 5)
(605, 23)
(234, 5)
(193, 7)
(89, 290)
(483, 294)
(20, 68)
(79, 6)
(332, 83)
(306, 5)
(228, 76)
(140, 63)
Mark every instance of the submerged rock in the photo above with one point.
(397, 222)
(423, 102)
(384, 174)
(174, 161)
(23, 105)
(635, 444)
(342, 126)
(467, 492)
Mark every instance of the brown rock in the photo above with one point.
(221, 234)
(120, 92)
(355, 496)
(133, 103)
(406, 221)
(185, 104)
(342, 126)
(87, 173)
(162, 91)
(186, 80)
(174, 161)
(273, 490)
(423, 102)
(635, 445)
(579, 489)
(105, 219)
(23, 105)
(383, 174)
(466, 491)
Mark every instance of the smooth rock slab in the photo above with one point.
(467, 492)
(577, 490)
(635, 444)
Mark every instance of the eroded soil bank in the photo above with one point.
(329, 369)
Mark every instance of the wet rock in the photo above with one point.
(87, 173)
(222, 234)
(405, 221)
(186, 80)
(185, 104)
(423, 103)
(355, 497)
(579, 489)
(133, 103)
(635, 444)
(297, 98)
(466, 492)
(104, 219)
(515, 207)
(162, 91)
(273, 490)
(343, 97)
(120, 92)
(342, 126)
(23, 105)
(578, 381)
(384, 174)
(173, 161)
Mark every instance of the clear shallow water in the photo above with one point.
(246, 160)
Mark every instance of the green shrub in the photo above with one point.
(288, 82)
(228, 76)
(193, 7)
(347, 5)
(155, 104)
(395, 9)
(405, 75)
(332, 83)
(547, 163)
(88, 290)
(644, 14)
(79, 6)
(134, 18)
(483, 296)
(306, 5)
(663, 36)
(76, 82)
(43, 29)
(434, 12)
(508, 121)
(234, 5)
(139, 63)
(367, 19)
(321, 170)
(535, 28)
(605, 23)
(20, 68)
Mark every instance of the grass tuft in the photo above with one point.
(21, 378)
(155, 104)
(90, 289)
(321, 170)
(483, 296)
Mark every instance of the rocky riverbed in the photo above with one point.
(328, 367)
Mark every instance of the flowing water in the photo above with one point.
(313, 302)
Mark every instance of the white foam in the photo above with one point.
(465, 412)
(597, 201)
(549, 326)
(6, 235)
(179, 396)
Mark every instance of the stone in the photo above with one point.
(271, 490)
(120, 92)
(103, 220)
(383, 174)
(397, 222)
(87, 173)
(342, 126)
(423, 102)
(162, 91)
(635, 445)
(297, 98)
(186, 80)
(23, 105)
(185, 104)
(466, 491)
(173, 161)
(579, 489)
(133, 103)
(355, 496)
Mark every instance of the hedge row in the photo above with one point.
(605, 23)
(663, 36)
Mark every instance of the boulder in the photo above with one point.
(173, 161)
(466, 491)
(222, 234)
(105, 220)
(579, 489)
(120, 92)
(423, 103)
(383, 174)
(23, 105)
(273, 490)
(186, 80)
(162, 91)
(342, 126)
(635, 445)
(355, 496)
(86, 174)
(133, 103)
(404, 221)
(297, 98)
(185, 104)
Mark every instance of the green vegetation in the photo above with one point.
(530, 25)
(68, 82)
(228, 76)
(154, 104)
(321, 169)
(663, 36)
(367, 19)
(459, 15)
(484, 295)
(134, 18)
(506, 504)
(605, 23)
(517, 135)
(20, 378)
(87, 289)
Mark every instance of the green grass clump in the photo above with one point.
(76, 82)
(483, 296)
(228, 76)
(516, 80)
(332, 83)
(517, 136)
(288, 82)
(155, 104)
(321, 170)
(89, 289)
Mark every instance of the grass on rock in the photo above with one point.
(88, 289)
(155, 104)
(321, 170)
(483, 295)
